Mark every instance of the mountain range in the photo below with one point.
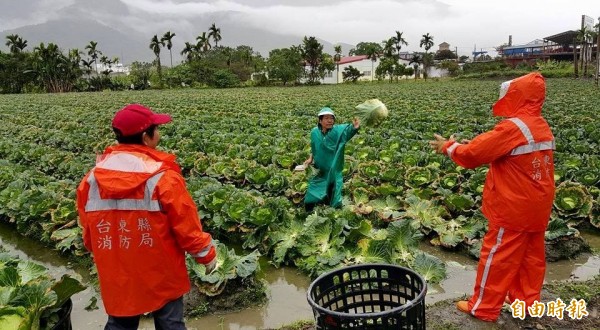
(119, 34)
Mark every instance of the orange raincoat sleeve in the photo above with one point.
(182, 214)
(82, 197)
(487, 147)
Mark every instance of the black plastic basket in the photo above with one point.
(64, 316)
(371, 296)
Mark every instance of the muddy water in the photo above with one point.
(461, 270)
(287, 288)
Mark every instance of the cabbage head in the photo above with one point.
(420, 176)
(371, 112)
(450, 181)
(257, 175)
(573, 200)
(588, 176)
(277, 183)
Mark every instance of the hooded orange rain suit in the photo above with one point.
(138, 220)
(517, 197)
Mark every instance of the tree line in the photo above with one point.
(47, 68)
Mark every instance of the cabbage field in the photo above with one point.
(238, 148)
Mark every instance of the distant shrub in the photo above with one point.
(225, 79)
(479, 67)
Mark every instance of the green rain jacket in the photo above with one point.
(328, 157)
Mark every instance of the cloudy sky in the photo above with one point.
(464, 24)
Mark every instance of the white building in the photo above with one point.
(117, 68)
(360, 62)
(367, 68)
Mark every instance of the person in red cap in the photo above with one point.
(138, 221)
(517, 197)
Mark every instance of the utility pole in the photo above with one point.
(575, 62)
(598, 54)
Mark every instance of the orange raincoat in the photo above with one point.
(517, 196)
(138, 220)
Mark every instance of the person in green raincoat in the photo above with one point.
(327, 142)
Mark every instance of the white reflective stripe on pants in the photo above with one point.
(486, 271)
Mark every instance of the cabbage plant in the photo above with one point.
(277, 183)
(595, 218)
(29, 295)
(387, 209)
(573, 200)
(257, 175)
(559, 228)
(431, 268)
(588, 176)
(229, 266)
(422, 214)
(450, 181)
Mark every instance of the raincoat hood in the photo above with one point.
(523, 96)
(123, 169)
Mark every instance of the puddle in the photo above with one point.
(287, 288)
(287, 303)
(461, 270)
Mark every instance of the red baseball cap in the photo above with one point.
(136, 118)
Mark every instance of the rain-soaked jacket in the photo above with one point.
(519, 187)
(138, 220)
(328, 157)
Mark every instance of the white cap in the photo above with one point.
(326, 111)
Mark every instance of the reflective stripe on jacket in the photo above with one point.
(519, 187)
(138, 221)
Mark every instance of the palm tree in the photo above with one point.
(166, 38)
(56, 72)
(15, 43)
(87, 67)
(188, 51)
(337, 58)
(215, 33)
(399, 41)
(203, 44)
(388, 47)
(372, 54)
(155, 45)
(75, 55)
(228, 52)
(415, 61)
(427, 42)
(107, 63)
(93, 53)
(582, 40)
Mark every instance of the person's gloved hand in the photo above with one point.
(209, 267)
